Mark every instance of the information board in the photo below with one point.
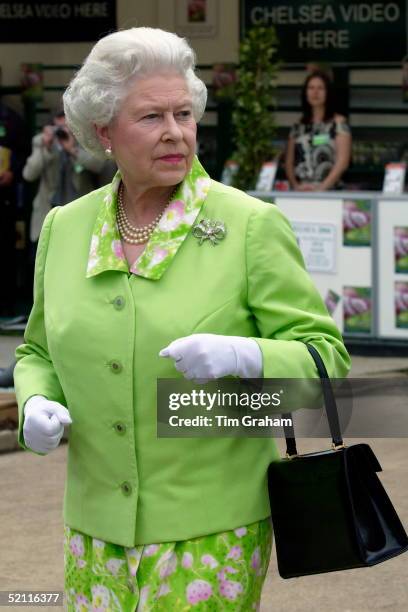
(317, 241)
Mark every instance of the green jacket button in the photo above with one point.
(120, 428)
(115, 366)
(119, 302)
(126, 488)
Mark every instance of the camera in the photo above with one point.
(61, 133)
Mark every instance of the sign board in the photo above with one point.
(56, 21)
(340, 32)
(340, 267)
(266, 176)
(394, 178)
(317, 241)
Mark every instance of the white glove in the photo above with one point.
(202, 357)
(44, 422)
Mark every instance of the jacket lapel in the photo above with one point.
(106, 252)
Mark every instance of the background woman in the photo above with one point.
(126, 293)
(319, 146)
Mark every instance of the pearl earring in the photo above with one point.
(108, 152)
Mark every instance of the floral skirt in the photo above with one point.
(221, 571)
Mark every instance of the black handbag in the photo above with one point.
(329, 509)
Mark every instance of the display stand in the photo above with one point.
(354, 244)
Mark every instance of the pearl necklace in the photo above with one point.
(130, 233)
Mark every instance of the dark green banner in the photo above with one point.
(332, 31)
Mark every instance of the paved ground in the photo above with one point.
(31, 526)
(7, 348)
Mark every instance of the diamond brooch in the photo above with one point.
(206, 229)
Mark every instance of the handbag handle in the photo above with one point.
(329, 404)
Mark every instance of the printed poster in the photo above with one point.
(331, 300)
(401, 249)
(357, 309)
(196, 18)
(401, 305)
(357, 223)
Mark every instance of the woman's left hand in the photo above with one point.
(204, 357)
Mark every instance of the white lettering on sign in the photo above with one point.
(25, 10)
(374, 13)
(284, 15)
(364, 12)
(15, 11)
(65, 11)
(392, 12)
(324, 39)
(53, 11)
(91, 9)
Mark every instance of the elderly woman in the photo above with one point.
(127, 291)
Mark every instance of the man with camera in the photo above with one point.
(64, 169)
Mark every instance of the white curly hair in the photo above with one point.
(95, 93)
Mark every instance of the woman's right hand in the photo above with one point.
(44, 422)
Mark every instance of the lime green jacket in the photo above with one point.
(95, 332)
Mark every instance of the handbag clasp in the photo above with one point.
(338, 446)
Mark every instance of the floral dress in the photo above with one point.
(221, 571)
(315, 151)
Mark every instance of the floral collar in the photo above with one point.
(106, 252)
